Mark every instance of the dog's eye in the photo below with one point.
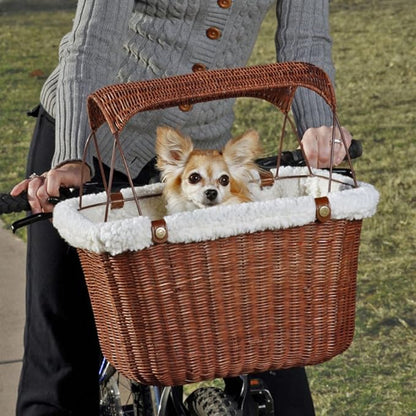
(224, 180)
(194, 178)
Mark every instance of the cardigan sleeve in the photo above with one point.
(303, 35)
(89, 58)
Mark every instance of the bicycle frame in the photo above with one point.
(168, 401)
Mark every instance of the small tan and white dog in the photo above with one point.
(204, 178)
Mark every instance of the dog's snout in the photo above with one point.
(211, 194)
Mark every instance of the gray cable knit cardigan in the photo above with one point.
(118, 41)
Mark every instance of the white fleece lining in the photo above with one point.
(288, 203)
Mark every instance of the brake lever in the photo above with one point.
(30, 219)
(64, 193)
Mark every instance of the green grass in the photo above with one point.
(29, 44)
(375, 57)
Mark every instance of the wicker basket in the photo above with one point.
(269, 293)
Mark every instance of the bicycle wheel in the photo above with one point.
(110, 401)
(210, 401)
(121, 397)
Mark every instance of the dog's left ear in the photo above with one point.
(172, 149)
(243, 150)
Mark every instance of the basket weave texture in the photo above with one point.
(178, 313)
(174, 313)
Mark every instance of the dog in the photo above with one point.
(197, 178)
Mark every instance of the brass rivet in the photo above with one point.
(160, 233)
(324, 211)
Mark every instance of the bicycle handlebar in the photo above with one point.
(9, 204)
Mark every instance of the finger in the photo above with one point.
(339, 153)
(54, 180)
(68, 175)
(324, 157)
(32, 194)
(43, 197)
(331, 148)
(19, 188)
(323, 136)
(342, 141)
(310, 147)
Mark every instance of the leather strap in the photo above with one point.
(159, 231)
(117, 200)
(323, 209)
(266, 178)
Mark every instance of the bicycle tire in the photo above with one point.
(211, 401)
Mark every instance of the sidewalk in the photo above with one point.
(12, 310)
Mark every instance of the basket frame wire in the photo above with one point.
(275, 83)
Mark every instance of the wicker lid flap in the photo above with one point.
(276, 83)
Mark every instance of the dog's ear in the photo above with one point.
(172, 149)
(243, 150)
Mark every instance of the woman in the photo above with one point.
(113, 42)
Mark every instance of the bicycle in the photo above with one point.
(229, 399)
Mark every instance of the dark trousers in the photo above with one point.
(290, 391)
(62, 356)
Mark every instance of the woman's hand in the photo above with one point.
(317, 143)
(40, 188)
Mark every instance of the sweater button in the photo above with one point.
(185, 107)
(224, 4)
(213, 33)
(198, 67)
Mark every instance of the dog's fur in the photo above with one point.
(203, 178)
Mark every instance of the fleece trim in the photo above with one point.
(290, 202)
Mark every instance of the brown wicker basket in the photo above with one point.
(174, 313)
(179, 313)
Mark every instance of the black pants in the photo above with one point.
(62, 356)
(290, 391)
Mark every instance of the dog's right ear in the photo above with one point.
(172, 149)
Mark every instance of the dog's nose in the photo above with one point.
(211, 194)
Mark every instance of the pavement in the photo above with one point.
(12, 314)
(12, 264)
(12, 317)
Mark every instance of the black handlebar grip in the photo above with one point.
(356, 149)
(10, 203)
